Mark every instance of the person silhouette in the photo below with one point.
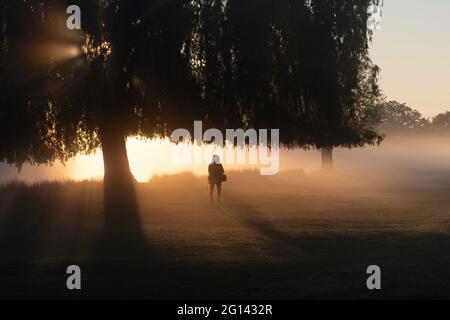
(216, 177)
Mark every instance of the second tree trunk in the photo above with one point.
(327, 159)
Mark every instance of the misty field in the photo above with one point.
(291, 236)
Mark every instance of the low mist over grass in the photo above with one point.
(289, 236)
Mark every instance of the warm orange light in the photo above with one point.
(147, 158)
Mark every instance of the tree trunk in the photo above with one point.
(327, 159)
(121, 209)
(115, 158)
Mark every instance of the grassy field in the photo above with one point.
(290, 237)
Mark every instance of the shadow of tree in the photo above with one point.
(124, 264)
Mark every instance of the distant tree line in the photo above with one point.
(394, 116)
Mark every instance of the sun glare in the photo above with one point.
(147, 158)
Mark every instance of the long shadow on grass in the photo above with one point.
(124, 265)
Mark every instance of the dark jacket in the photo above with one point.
(215, 173)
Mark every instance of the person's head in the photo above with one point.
(216, 159)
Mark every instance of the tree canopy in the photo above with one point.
(442, 121)
(395, 116)
(302, 66)
(146, 67)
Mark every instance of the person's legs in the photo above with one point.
(211, 191)
(219, 191)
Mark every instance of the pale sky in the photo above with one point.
(413, 50)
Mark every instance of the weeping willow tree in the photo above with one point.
(147, 67)
(66, 92)
(302, 66)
